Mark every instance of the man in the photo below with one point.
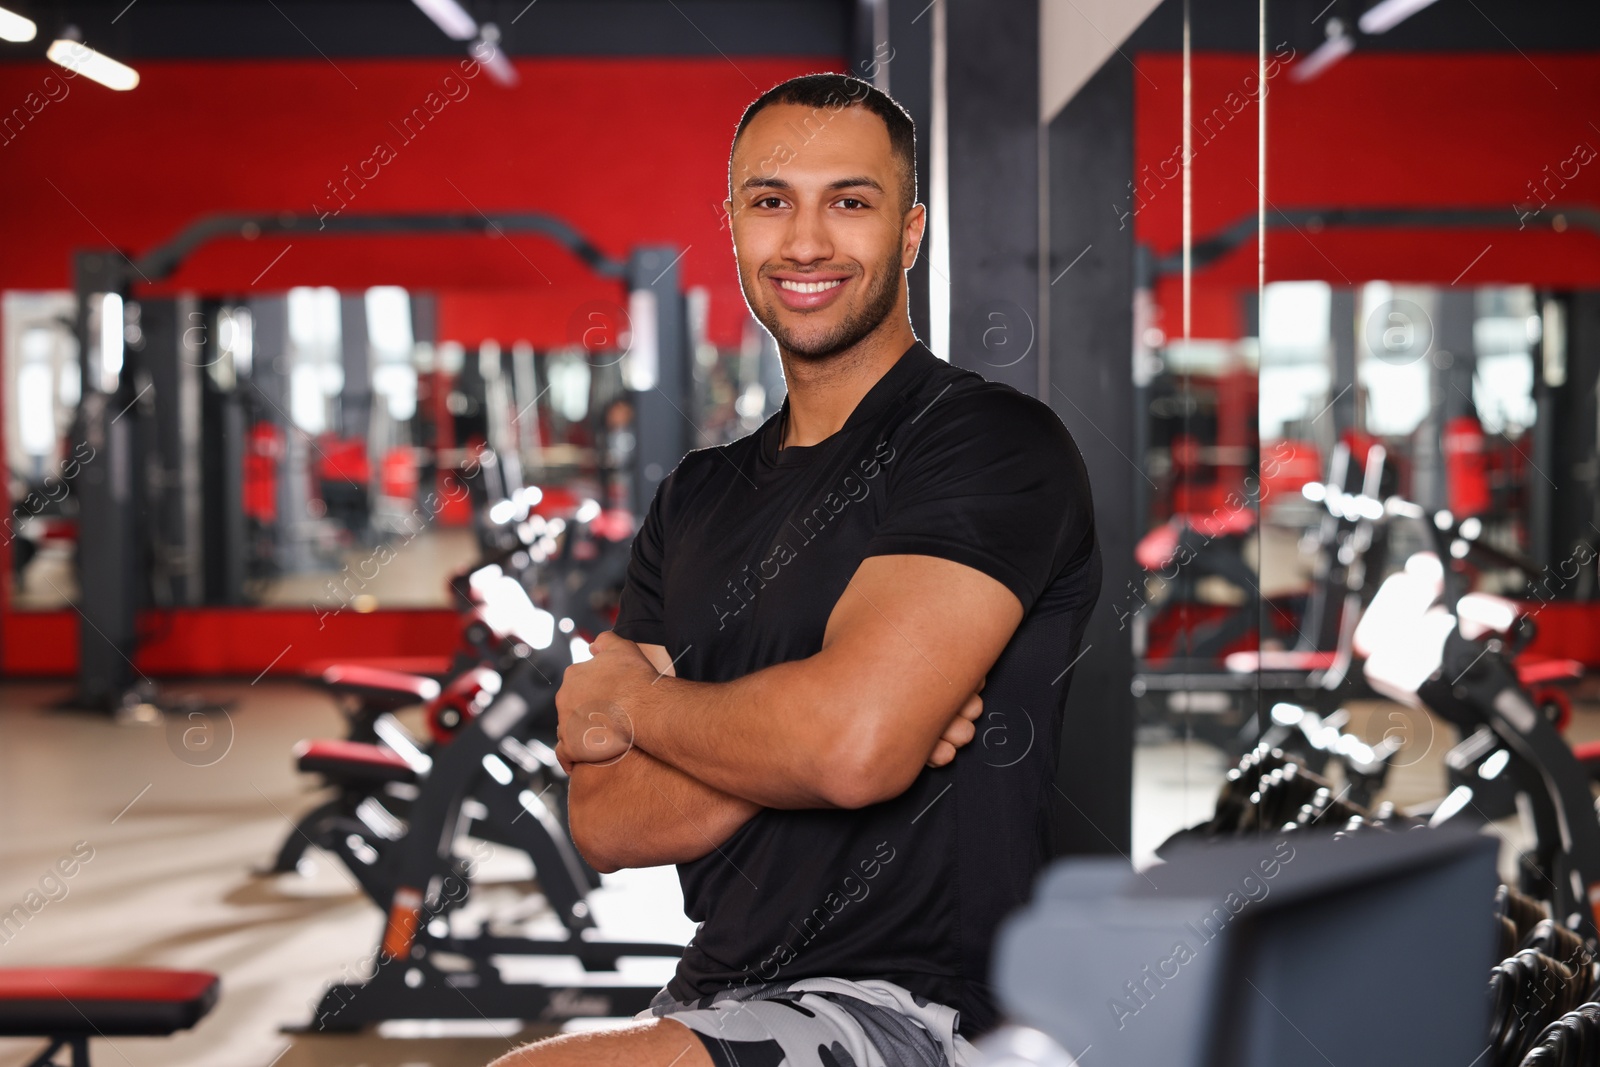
(786, 706)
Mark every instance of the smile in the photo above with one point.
(810, 287)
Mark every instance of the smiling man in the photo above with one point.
(790, 708)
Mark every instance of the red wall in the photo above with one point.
(1467, 131)
(630, 151)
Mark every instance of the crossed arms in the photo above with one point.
(665, 770)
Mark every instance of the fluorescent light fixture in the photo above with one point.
(13, 27)
(80, 58)
(487, 51)
(1325, 55)
(1385, 15)
(449, 17)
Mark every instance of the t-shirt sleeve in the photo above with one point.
(640, 616)
(996, 484)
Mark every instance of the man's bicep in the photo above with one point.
(920, 633)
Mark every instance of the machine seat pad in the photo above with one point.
(102, 1001)
(1279, 660)
(352, 761)
(1536, 670)
(382, 689)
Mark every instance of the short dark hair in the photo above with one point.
(838, 91)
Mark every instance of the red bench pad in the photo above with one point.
(352, 761)
(1536, 670)
(102, 1001)
(384, 689)
(1279, 660)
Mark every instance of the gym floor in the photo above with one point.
(170, 883)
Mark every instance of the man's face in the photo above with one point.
(820, 234)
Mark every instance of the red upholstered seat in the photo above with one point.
(102, 1001)
(1279, 660)
(379, 688)
(352, 761)
(432, 666)
(1155, 549)
(1536, 670)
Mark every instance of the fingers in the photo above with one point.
(959, 732)
(972, 708)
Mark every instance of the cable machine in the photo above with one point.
(140, 419)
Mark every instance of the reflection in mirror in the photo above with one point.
(333, 433)
(43, 382)
(1427, 378)
(1195, 608)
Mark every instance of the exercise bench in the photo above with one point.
(68, 1005)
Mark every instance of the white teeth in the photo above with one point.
(810, 287)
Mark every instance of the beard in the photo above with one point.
(813, 347)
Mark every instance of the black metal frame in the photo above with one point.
(111, 567)
(409, 981)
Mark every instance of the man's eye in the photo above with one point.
(852, 203)
(769, 201)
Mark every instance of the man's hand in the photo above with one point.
(959, 733)
(593, 723)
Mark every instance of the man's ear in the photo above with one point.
(911, 238)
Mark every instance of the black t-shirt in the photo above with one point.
(738, 565)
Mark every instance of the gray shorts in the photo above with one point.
(821, 1022)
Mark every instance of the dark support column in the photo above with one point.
(110, 563)
(1456, 359)
(992, 96)
(222, 437)
(910, 72)
(355, 400)
(662, 426)
(1091, 388)
(174, 331)
(1342, 389)
(1572, 416)
(269, 376)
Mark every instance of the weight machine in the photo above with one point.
(160, 432)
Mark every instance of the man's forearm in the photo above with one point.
(641, 812)
(783, 737)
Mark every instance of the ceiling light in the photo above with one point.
(449, 17)
(1338, 45)
(1385, 15)
(486, 49)
(13, 27)
(80, 58)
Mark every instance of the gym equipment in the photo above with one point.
(1224, 700)
(117, 574)
(400, 810)
(428, 965)
(1204, 961)
(376, 771)
(575, 565)
(69, 1005)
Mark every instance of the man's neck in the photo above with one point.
(823, 394)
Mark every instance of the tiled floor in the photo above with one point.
(169, 881)
(173, 842)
